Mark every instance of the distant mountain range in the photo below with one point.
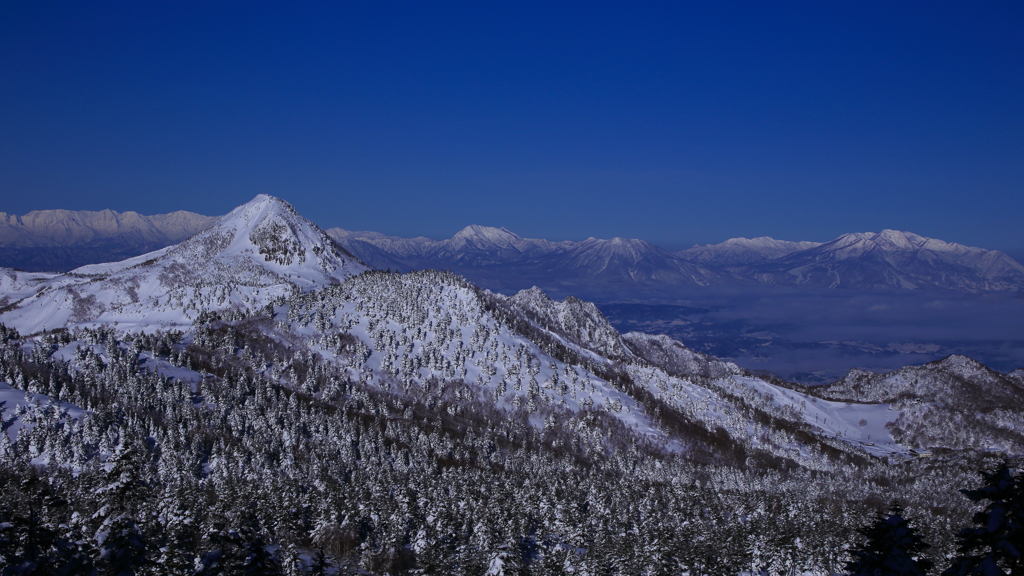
(496, 258)
(61, 240)
(265, 263)
(502, 260)
(258, 369)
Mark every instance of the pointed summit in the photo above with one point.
(480, 237)
(478, 231)
(260, 240)
(483, 245)
(258, 252)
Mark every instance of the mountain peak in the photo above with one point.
(258, 252)
(744, 251)
(262, 206)
(490, 233)
(269, 232)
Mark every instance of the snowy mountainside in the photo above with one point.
(16, 285)
(525, 354)
(955, 380)
(434, 325)
(893, 259)
(477, 245)
(500, 259)
(260, 252)
(1017, 377)
(549, 359)
(634, 261)
(326, 417)
(673, 356)
(579, 321)
(15, 403)
(736, 252)
(554, 355)
(60, 240)
(415, 422)
(86, 228)
(955, 403)
(474, 245)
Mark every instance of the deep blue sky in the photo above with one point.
(676, 124)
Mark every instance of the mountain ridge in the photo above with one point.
(60, 240)
(889, 259)
(259, 363)
(259, 252)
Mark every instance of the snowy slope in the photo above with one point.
(743, 251)
(15, 404)
(474, 245)
(106, 228)
(521, 352)
(527, 352)
(60, 240)
(893, 259)
(573, 318)
(260, 252)
(422, 326)
(498, 258)
(676, 358)
(955, 403)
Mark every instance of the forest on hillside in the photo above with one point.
(260, 459)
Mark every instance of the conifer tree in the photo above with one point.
(124, 551)
(893, 549)
(994, 547)
(320, 565)
(30, 541)
(258, 560)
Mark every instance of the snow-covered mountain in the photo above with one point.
(60, 240)
(328, 400)
(892, 259)
(953, 403)
(400, 408)
(260, 252)
(737, 252)
(472, 246)
(500, 259)
(673, 356)
(265, 259)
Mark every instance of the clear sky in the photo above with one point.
(670, 122)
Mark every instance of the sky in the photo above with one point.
(673, 122)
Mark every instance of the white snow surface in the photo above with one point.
(259, 253)
(19, 400)
(863, 425)
(77, 228)
(743, 251)
(395, 330)
(895, 259)
(420, 326)
(614, 259)
(412, 328)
